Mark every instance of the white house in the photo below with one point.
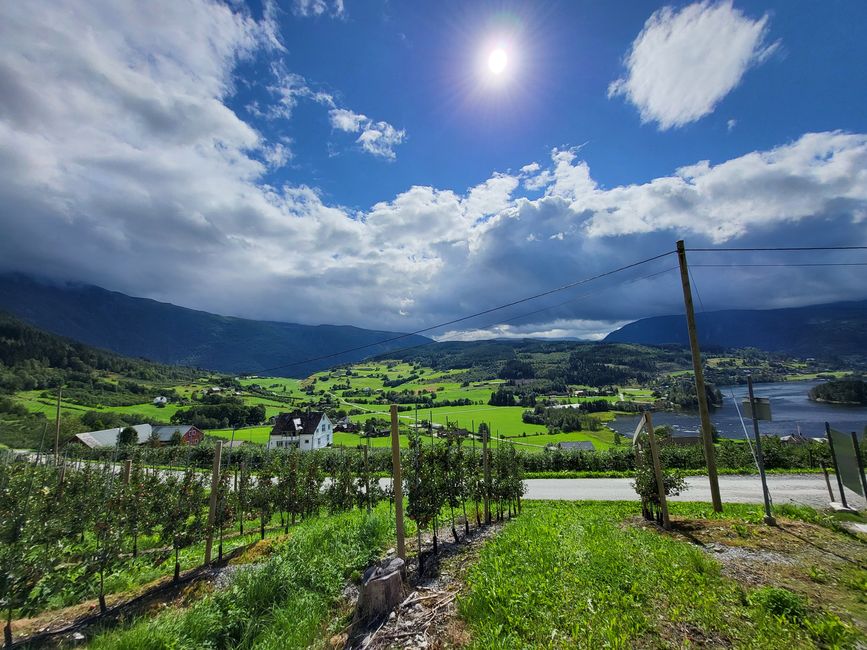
(304, 430)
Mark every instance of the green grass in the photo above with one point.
(279, 603)
(258, 435)
(572, 575)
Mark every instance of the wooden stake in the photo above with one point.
(486, 436)
(657, 470)
(706, 431)
(769, 518)
(212, 503)
(127, 469)
(366, 477)
(57, 426)
(398, 485)
(827, 480)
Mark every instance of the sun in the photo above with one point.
(497, 61)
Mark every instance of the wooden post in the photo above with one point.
(657, 470)
(706, 431)
(836, 468)
(398, 485)
(57, 426)
(127, 469)
(760, 459)
(366, 477)
(486, 436)
(827, 480)
(860, 463)
(212, 502)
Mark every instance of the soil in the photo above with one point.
(427, 618)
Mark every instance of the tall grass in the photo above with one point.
(568, 575)
(278, 603)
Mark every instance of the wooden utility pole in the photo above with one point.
(212, 502)
(398, 485)
(57, 426)
(704, 414)
(657, 470)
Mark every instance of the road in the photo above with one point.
(806, 489)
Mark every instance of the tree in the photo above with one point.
(127, 437)
(182, 519)
(177, 439)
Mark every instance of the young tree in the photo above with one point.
(127, 437)
(182, 514)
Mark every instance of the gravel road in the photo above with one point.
(808, 489)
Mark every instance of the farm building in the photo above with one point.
(584, 445)
(304, 430)
(189, 434)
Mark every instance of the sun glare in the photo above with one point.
(497, 61)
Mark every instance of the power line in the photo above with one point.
(708, 266)
(465, 318)
(777, 248)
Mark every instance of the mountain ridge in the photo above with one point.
(167, 333)
(835, 329)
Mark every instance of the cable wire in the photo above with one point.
(777, 248)
(783, 264)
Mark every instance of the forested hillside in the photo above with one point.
(166, 333)
(836, 329)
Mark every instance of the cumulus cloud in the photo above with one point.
(684, 62)
(125, 167)
(377, 138)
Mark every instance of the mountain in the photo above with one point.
(166, 333)
(835, 329)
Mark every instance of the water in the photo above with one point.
(790, 409)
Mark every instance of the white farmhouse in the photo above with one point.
(304, 430)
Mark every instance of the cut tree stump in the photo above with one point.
(381, 590)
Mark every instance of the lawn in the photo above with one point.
(591, 575)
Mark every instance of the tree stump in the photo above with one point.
(381, 590)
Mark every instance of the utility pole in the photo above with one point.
(706, 431)
(57, 426)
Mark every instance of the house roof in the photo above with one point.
(297, 423)
(166, 432)
(108, 437)
(578, 444)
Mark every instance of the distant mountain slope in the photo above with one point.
(175, 335)
(838, 329)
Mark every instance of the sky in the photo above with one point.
(395, 165)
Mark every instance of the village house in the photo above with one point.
(302, 429)
(189, 435)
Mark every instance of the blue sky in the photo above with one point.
(360, 163)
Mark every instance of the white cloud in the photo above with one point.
(306, 8)
(587, 330)
(125, 167)
(377, 138)
(731, 124)
(684, 62)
